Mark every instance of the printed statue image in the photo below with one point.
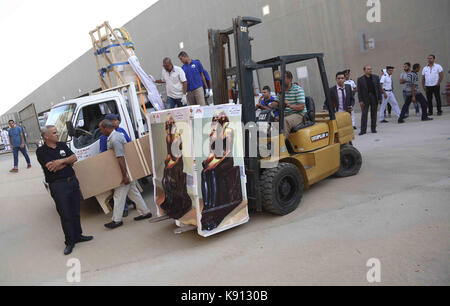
(176, 201)
(220, 179)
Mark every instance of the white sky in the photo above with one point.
(40, 38)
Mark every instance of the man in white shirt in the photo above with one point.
(388, 94)
(349, 81)
(176, 83)
(432, 76)
(5, 138)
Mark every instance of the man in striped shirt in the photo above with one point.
(414, 95)
(295, 107)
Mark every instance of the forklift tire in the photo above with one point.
(281, 189)
(351, 161)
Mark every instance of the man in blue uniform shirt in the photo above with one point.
(103, 139)
(196, 80)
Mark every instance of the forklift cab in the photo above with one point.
(317, 148)
(301, 139)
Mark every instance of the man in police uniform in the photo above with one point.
(56, 160)
(349, 81)
(387, 90)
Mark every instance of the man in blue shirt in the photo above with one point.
(103, 139)
(267, 102)
(17, 141)
(104, 145)
(196, 80)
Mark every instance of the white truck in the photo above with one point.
(77, 120)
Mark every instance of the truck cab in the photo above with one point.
(78, 120)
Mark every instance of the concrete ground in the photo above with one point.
(396, 210)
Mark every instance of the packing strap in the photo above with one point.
(104, 70)
(105, 49)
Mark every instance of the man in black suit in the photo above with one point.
(369, 94)
(342, 95)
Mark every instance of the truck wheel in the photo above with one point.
(281, 189)
(351, 161)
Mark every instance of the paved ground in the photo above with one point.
(397, 210)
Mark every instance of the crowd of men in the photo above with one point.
(191, 85)
(374, 90)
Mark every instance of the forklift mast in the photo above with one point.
(220, 74)
(218, 40)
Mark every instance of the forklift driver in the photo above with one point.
(295, 107)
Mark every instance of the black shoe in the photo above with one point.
(125, 213)
(401, 121)
(406, 116)
(430, 114)
(68, 250)
(427, 119)
(113, 225)
(84, 238)
(354, 127)
(384, 121)
(439, 113)
(374, 132)
(143, 217)
(362, 133)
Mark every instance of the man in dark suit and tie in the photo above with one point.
(342, 98)
(369, 94)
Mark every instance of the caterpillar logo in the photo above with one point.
(319, 137)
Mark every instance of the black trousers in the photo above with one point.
(436, 91)
(372, 104)
(66, 195)
(421, 100)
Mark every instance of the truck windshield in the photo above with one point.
(58, 117)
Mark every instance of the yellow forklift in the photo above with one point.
(318, 148)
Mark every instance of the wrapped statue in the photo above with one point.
(220, 179)
(176, 199)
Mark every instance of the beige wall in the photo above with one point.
(409, 31)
